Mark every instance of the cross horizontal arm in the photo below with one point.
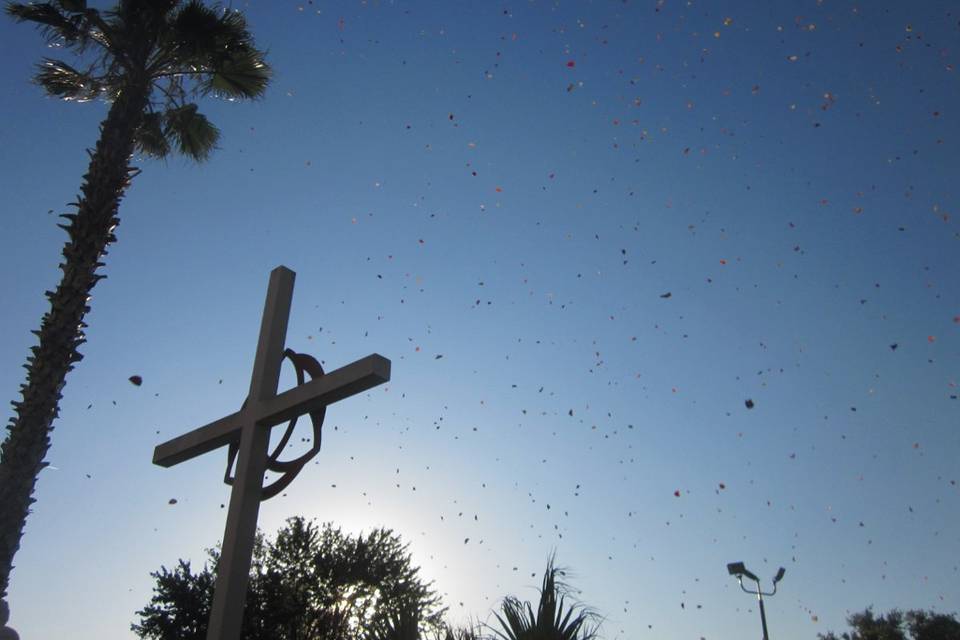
(199, 441)
(346, 381)
(354, 378)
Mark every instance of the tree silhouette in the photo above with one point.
(928, 625)
(896, 625)
(311, 583)
(149, 59)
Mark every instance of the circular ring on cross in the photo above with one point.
(303, 364)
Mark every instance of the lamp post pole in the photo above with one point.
(763, 617)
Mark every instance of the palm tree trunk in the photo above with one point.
(61, 329)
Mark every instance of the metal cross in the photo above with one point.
(247, 432)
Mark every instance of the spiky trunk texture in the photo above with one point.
(61, 329)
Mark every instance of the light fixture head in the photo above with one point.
(777, 578)
(738, 569)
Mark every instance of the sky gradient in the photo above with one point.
(586, 234)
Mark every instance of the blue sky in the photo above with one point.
(516, 186)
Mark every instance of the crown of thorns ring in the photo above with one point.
(304, 364)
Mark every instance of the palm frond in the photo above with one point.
(192, 31)
(128, 13)
(470, 632)
(402, 625)
(216, 47)
(69, 22)
(51, 20)
(151, 139)
(198, 51)
(204, 30)
(194, 135)
(242, 74)
(73, 6)
(553, 620)
(518, 620)
(61, 80)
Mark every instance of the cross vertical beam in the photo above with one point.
(226, 617)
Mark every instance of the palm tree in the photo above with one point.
(149, 59)
(551, 621)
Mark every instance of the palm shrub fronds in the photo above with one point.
(403, 624)
(470, 632)
(554, 619)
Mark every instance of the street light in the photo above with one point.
(738, 569)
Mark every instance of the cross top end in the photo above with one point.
(281, 269)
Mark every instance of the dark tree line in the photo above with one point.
(915, 624)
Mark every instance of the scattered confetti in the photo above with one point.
(684, 146)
